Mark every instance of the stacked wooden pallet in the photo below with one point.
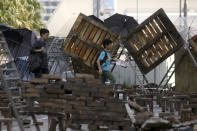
(193, 42)
(82, 100)
(85, 39)
(153, 41)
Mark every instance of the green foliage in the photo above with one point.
(21, 14)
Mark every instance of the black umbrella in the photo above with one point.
(96, 19)
(19, 41)
(4, 27)
(121, 24)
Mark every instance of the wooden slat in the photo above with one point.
(155, 52)
(78, 49)
(90, 28)
(80, 26)
(67, 48)
(74, 46)
(132, 45)
(83, 51)
(87, 53)
(146, 58)
(152, 55)
(107, 36)
(152, 30)
(163, 47)
(97, 36)
(92, 55)
(99, 42)
(172, 41)
(141, 37)
(170, 45)
(143, 62)
(135, 43)
(138, 42)
(154, 25)
(84, 29)
(95, 57)
(159, 49)
(161, 26)
(93, 33)
(166, 43)
(147, 30)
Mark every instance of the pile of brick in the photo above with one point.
(80, 100)
(5, 112)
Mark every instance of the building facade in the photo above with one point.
(49, 7)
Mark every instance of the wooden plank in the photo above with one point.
(99, 42)
(68, 47)
(78, 30)
(79, 75)
(38, 81)
(107, 36)
(160, 23)
(88, 32)
(155, 26)
(172, 41)
(147, 31)
(144, 62)
(87, 53)
(93, 33)
(84, 29)
(83, 51)
(193, 42)
(152, 30)
(97, 36)
(156, 54)
(95, 57)
(163, 47)
(78, 49)
(133, 46)
(74, 46)
(150, 55)
(51, 77)
(135, 43)
(141, 37)
(165, 43)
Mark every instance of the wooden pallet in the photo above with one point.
(153, 41)
(85, 39)
(193, 42)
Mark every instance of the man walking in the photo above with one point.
(39, 52)
(104, 62)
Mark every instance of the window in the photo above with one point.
(47, 3)
(55, 3)
(46, 18)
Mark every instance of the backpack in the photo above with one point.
(34, 62)
(101, 61)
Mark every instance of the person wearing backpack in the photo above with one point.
(38, 62)
(103, 63)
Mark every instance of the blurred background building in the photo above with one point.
(49, 7)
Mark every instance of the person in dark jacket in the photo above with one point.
(39, 66)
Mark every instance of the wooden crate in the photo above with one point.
(153, 41)
(193, 42)
(85, 39)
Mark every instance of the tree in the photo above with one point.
(21, 14)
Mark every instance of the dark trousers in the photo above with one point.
(38, 73)
(107, 75)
